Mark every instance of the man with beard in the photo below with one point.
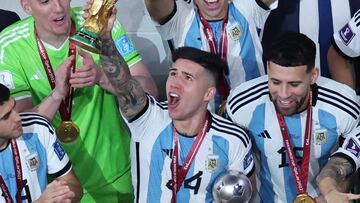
(294, 118)
(179, 148)
(227, 28)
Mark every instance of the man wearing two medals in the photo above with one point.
(178, 147)
(227, 28)
(295, 119)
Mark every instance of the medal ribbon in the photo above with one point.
(178, 176)
(210, 37)
(65, 106)
(300, 179)
(18, 175)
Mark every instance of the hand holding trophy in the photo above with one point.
(88, 36)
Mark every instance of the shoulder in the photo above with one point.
(33, 122)
(346, 40)
(229, 130)
(17, 31)
(338, 96)
(248, 93)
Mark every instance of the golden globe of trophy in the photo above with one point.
(88, 36)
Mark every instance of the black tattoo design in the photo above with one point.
(337, 169)
(131, 97)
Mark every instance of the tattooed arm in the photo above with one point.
(334, 179)
(131, 97)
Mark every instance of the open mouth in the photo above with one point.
(211, 1)
(174, 99)
(59, 20)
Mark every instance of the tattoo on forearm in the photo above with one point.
(131, 96)
(337, 168)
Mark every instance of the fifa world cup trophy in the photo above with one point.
(88, 36)
(232, 187)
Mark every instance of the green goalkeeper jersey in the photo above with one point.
(101, 158)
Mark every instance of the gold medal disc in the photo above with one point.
(303, 198)
(67, 131)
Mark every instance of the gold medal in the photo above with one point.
(67, 131)
(303, 198)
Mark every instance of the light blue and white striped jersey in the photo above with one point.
(41, 154)
(318, 19)
(336, 111)
(244, 51)
(347, 39)
(225, 146)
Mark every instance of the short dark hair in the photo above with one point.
(211, 62)
(4, 94)
(292, 49)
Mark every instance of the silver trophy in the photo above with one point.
(232, 187)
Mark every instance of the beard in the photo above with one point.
(299, 106)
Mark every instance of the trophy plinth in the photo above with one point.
(88, 37)
(87, 40)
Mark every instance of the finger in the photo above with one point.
(111, 19)
(77, 83)
(353, 196)
(86, 8)
(63, 197)
(87, 58)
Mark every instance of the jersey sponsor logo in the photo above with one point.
(346, 34)
(320, 136)
(235, 31)
(33, 161)
(124, 46)
(212, 163)
(353, 148)
(248, 160)
(7, 79)
(59, 150)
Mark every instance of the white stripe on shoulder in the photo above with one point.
(225, 126)
(248, 95)
(31, 118)
(340, 99)
(16, 29)
(11, 36)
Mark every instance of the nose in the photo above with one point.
(15, 116)
(284, 92)
(173, 82)
(58, 6)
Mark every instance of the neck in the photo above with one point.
(52, 39)
(192, 126)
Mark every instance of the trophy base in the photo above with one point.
(86, 40)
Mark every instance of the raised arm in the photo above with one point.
(340, 68)
(334, 179)
(160, 10)
(131, 97)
